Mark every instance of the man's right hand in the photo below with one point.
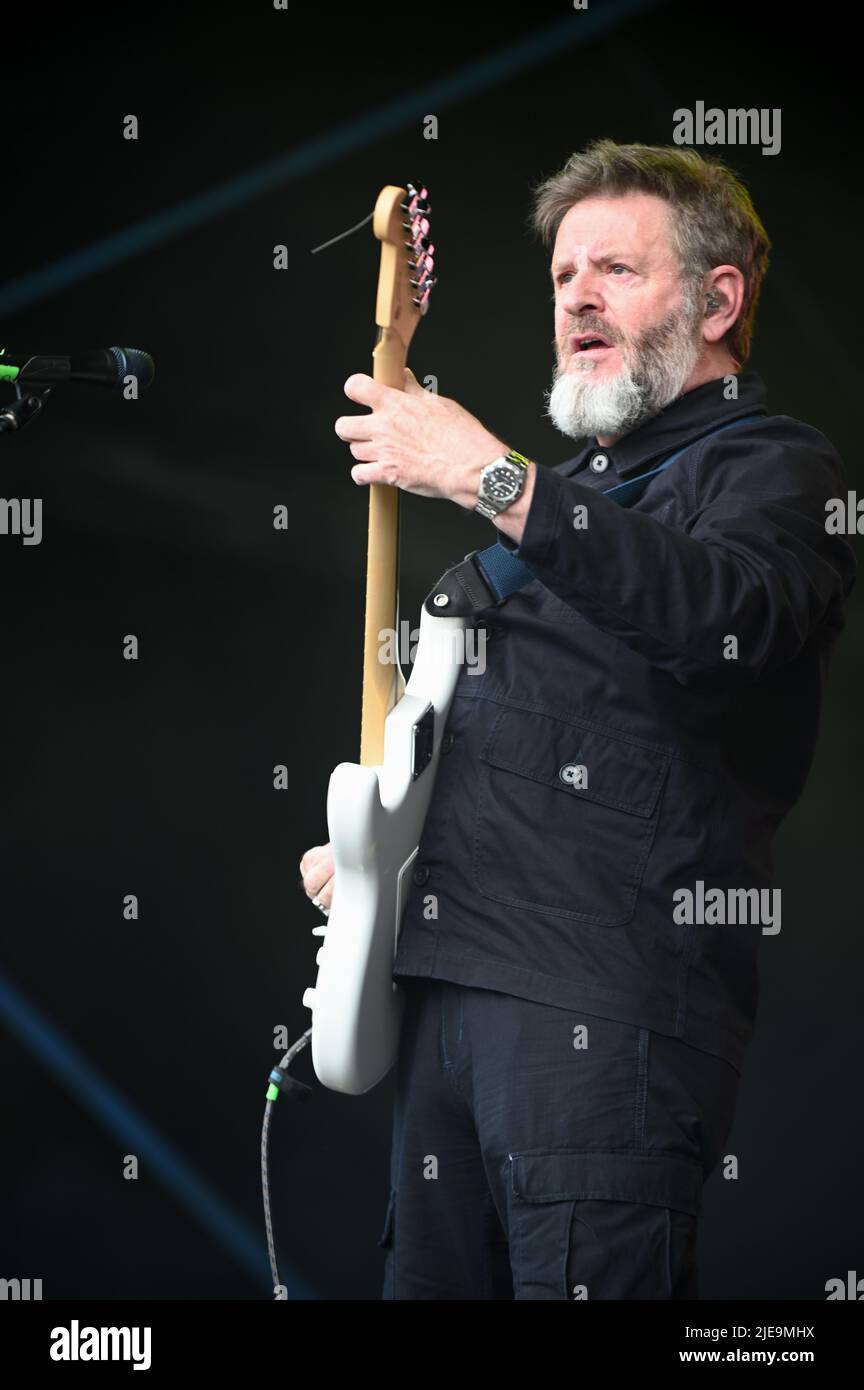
(317, 870)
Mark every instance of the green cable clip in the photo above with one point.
(280, 1080)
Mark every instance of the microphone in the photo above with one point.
(99, 367)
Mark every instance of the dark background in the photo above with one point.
(155, 777)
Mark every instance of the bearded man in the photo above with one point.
(572, 1046)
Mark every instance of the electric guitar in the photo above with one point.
(376, 809)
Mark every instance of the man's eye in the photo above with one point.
(568, 274)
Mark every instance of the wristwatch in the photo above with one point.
(501, 482)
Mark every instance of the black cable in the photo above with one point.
(279, 1081)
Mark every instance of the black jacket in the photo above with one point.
(619, 659)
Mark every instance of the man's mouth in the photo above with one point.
(592, 343)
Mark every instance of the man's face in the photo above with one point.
(617, 278)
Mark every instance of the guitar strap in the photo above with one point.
(489, 577)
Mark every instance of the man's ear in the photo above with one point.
(723, 299)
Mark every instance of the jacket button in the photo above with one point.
(421, 875)
(447, 743)
(571, 774)
(599, 463)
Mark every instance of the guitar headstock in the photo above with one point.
(405, 279)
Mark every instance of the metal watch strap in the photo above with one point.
(483, 507)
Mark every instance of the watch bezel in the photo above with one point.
(514, 468)
(507, 470)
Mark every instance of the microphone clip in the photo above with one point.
(18, 413)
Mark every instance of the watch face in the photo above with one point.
(501, 483)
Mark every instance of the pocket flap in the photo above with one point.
(560, 1175)
(579, 761)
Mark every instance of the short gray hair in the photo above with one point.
(712, 217)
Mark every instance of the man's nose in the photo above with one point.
(581, 293)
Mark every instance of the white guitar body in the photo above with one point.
(375, 817)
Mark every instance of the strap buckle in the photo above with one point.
(461, 591)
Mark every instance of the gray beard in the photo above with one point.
(655, 371)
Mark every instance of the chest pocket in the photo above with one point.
(565, 817)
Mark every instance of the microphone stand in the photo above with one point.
(25, 408)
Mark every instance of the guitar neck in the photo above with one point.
(401, 223)
(381, 680)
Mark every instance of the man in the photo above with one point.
(579, 949)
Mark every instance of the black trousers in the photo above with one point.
(541, 1153)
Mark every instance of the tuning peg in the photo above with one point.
(418, 199)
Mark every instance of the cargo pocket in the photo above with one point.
(566, 816)
(603, 1225)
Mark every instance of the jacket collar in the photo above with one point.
(680, 423)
